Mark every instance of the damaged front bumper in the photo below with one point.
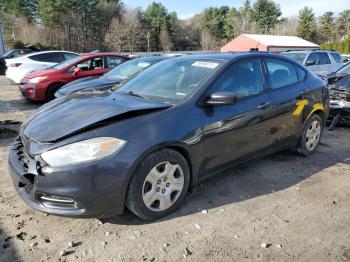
(85, 190)
(339, 113)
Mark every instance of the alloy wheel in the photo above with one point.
(162, 186)
(313, 135)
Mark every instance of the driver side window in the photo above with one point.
(89, 64)
(244, 78)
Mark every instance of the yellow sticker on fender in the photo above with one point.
(300, 107)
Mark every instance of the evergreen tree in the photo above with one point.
(156, 18)
(327, 27)
(232, 24)
(307, 24)
(266, 14)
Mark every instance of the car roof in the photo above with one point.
(151, 58)
(47, 52)
(89, 55)
(226, 56)
(309, 51)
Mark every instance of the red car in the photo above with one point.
(42, 84)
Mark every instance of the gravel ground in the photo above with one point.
(281, 208)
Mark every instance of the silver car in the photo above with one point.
(321, 62)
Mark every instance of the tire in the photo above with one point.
(313, 128)
(50, 94)
(160, 189)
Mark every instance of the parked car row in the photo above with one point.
(167, 124)
(18, 67)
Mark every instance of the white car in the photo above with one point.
(18, 67)
(321, 62)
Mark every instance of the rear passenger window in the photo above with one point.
(48, 57)
(69, 56)
(243, 78)
(113, 61)
(300, 72)
(323, 59)
(336, 57)
(281, 73)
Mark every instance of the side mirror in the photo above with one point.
(310, 62)
(222, 98)
(76, 71)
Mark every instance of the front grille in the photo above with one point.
(23, 158)
(27, 181)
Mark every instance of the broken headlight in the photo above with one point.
(83, 151)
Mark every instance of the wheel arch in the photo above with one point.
(178, 147)
(321, 113)
(51, 85)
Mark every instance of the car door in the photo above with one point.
(235, 132)
(88, 67)
(324, 63)
(286, 90)
(92, 67)
(319, 63)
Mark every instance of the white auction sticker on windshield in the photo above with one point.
(143, 64)
(205, 64)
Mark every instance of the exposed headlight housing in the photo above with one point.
(83, 151)
(36, 80)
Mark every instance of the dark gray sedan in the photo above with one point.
(146, 144)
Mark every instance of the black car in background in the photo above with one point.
(108, 80)
(12, 54)
(162, 132)
(339, 90)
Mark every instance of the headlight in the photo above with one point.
(83, 151)
(38, 79)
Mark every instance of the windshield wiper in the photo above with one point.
(132, 93)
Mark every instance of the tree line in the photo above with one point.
(109, 25)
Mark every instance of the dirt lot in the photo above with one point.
(298, 207)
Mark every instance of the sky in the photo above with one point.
(187, 8)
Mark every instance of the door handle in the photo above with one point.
(264, 106)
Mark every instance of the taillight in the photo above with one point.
(15, 65)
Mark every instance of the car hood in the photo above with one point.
(94, 83)
(37, 73)
(69, 115)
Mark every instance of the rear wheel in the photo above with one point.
(311, 135)
(50, 94)
(159, 185)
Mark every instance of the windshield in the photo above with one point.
(127, 69)
(170, 80)
(297, 57)
(66, 63)
(345, 69)
(8, 52)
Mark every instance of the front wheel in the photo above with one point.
(159, 185)
(50, 95)
(311, 135)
